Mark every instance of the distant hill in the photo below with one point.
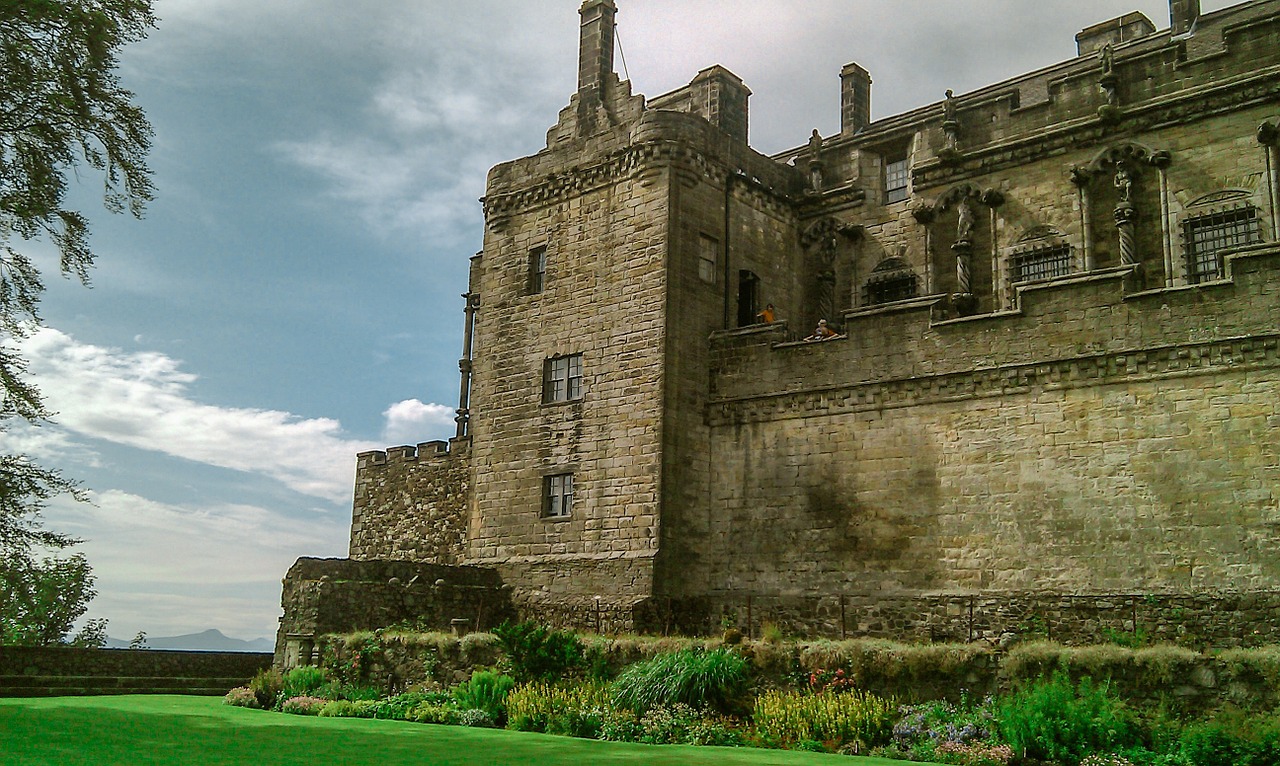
(209, 641)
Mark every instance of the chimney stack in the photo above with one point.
(595, 49)
(855, 98)
(1183, 15)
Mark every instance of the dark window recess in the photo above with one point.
(557, 496)
(562, 379)
(708, 256)
(892, 280)
(896, 180)
(1208, 235)
(1042, 263)
(537, 270)
(748, 298)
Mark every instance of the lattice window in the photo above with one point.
(1207, 236)
(892, 280)
(562, 379)
(537, 281)
(1047, 262)
(897, 177)
(557, 496)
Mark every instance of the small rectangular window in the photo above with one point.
(557, 496)
(1208, 235)
(537, 270)
(708, 257)
(1042, 263)
(562, 379)
(897, 176)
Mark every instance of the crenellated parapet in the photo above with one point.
(410, 502)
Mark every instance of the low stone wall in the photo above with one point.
(1204, 620)
(341, 595)
(59, 670)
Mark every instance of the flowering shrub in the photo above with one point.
(668, 724)
(980, 754)
(242, 696)
(830, 681)
(939, 722)
(303, 705)
(1106, 760)
(576, 710)
(835, 719)
(475, 717)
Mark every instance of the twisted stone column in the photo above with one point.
(1126, 214)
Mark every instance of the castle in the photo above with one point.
(1043, 395)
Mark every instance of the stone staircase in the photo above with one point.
(68, 686)
(65, 672)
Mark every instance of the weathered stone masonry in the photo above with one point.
(1051, 408)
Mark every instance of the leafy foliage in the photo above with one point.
(577, 710)
(303, 681)
(61, 105)
(485, 691)
(715, 679)
(1055, 720)
(266, 686)
(537, 653)
(39, 600)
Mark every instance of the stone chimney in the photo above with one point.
(855, 98)
(595, 50)
(1183, 15)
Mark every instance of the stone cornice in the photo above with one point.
(1254, 352)
(634, 160)
(1257, 88)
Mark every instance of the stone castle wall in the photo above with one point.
(1097, 442)
(411, 503)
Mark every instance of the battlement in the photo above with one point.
(432, 450)
(1085, 329)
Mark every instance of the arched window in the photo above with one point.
(891, 280)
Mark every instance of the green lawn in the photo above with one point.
(152, 730)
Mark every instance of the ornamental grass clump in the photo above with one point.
(714, 679)
(835, 720)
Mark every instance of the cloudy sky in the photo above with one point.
(292, 296)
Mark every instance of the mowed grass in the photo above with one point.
(192, 731)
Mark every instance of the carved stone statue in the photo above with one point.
(1124, 182)
(964, 221)
(1107, 54)
(815, 161)
(949, 107)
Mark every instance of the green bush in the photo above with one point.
(302, 681)
(1233, 738)
(397, 708)
(266, 686)
(1055, 720)
(303, 705)
(349, 709)
(434, 712)
(700, 678)
(839, 719)
(537, 653)
(242, 696)
(577, 710)
(485, 691)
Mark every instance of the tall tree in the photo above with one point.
(61, 106)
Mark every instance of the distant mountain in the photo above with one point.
(209, 641)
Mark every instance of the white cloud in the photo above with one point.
(412, 422)
(172, 569)
(142, 399)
